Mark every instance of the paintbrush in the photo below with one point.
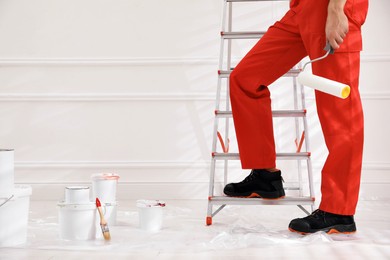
(103, 222)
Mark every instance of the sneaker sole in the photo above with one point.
(338, 229)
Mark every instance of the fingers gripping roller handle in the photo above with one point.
(328, 86)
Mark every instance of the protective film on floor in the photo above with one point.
(236, 231)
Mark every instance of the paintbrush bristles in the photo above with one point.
(98, 202)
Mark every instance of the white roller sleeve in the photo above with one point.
(331, 87)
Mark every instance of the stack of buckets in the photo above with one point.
(77, 214)
(104, 187)
(14, 203)
(78, 217)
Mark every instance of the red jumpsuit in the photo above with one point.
(299, 33)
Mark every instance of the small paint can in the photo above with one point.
(150, 214)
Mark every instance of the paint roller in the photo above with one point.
(328, 86)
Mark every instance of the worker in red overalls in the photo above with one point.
(304, 30)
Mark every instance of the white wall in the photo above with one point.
(128, 86)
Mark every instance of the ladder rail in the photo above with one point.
(215, 130)
(307, 146)
(227, 101)
(297, 135)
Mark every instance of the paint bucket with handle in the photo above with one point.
(14, 211)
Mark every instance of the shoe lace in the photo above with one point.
(253, 175)
(250, 177)
(317, 214)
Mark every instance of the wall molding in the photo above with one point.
(374, 166)
(16, 97)
(139, 61)
(110, 164)
(375, 57)
(110, 61)
(75, 97)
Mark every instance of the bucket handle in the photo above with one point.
(6, 200)
(104, 208)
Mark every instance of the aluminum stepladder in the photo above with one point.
(298, 113)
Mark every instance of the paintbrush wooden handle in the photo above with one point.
(103, 222)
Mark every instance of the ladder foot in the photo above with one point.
(209, 221)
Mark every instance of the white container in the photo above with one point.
(7, 171)
(77, 221)
(77, 195)
(104, 187)
(14, 216)
(150, 214)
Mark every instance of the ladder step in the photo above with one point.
(221, 200)
(279, 156)
(275, 113)
(290, 73)
(242, 35)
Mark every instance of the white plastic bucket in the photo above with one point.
(104, 187)
(77, 195)
(14, 216)
(77, 221)
(7, 171)
(150, 214)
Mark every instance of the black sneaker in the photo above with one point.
(259, 183)
(323, 221)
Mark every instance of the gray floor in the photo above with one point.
(237, 231)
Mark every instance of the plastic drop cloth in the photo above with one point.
(235, 229)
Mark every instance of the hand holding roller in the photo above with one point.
(328, 86)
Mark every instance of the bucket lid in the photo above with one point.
(150, 203)
(77, 187)
(105, 176)
(79, 206)
(6, 150)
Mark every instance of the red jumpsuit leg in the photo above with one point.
(276, 52)
(341, 120)
(342, 126)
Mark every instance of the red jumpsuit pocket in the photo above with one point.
(352, 42)
(356, 10)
